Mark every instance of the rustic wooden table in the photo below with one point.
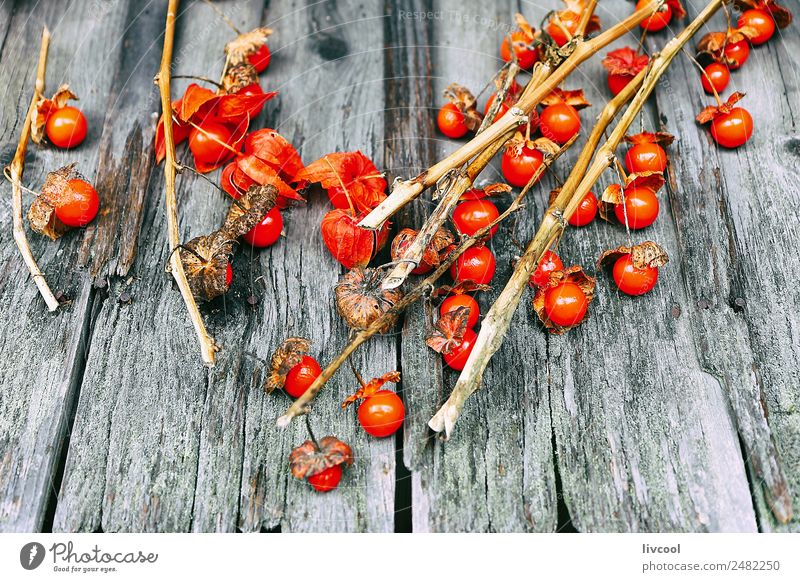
(676, 411)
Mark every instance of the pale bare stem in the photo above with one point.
(586, 17)
(207, 345)
(14, 174)
(405, 191)
(580, 181)
(301, 405)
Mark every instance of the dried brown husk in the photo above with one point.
(573, 274)
(371, 388)
(661, 138)
(462, 98)
(460, 288)
(573, 97)
(308, 460)
(45, 108)
(205, 260)
(238, 76)
(615, 194)
(287, 356)
(249, 210)
(246, 44)
(713, 111)
(434, 252)
(643, 255)
(360, 299)
(42, 213)
(448, 332)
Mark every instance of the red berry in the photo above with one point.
(66, 127)
(454, 302)
(260, 59)
(457, 358)
(207, 142)
(520, 164)
(267, 232)
(526, 55)
(586, 211)
(641, 208)
(327, 480)
(472, 215)
(737, 54)
(633, 281)
(720, 77)
(301, 377)
(560, 122)
(382, 413)
(547, 264)
(565, 304)
(79, 204)
(646, 157)
(759, 20)
(451, 121)
(570, 21)
(617, 83)
(475, 264)
(228, 275)
(658, 20)
(732, 129)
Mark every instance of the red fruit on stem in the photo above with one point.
(205, 142)
(565, 304)
(759, 20)
(472, 215)
(570, 21)
(640, 206)
(585, 213)
(617, 83)
(381, 414)
(451, 121)
(260, 59)
(646, 157)
(66, 127)
(457, 358)
(720, 77)
(560, 122)
(737, 53)
(79, 204)
(267, 232)
(327, 480)
(633, 281)
(520, 164)
(547, 264)
(526, 54)
(302, 376)
(732, 129)
(658, 20)
(454, 302)
(475, 264)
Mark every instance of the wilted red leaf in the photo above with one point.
(360, 299)
(625, 61)
(180, 131)
(307, 460)
(646, 254)
(287, 356)
(194, 98)
(350, 244)
(573, 274)
(236, 107)
(352, 171)
(448, 333)
(712, 111)
(371, 388)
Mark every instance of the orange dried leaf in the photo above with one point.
(712, 111)
(287, 356)
(42, 213)
(448, 331)
(307, 460)
(574, 97)
(371, 388)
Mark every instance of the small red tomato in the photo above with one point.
(451, 121)
(720, 77)
(252, 89)
(382, 413)
(205, 142)
(760, 21)
(520, 164)
(228, 275)
(301, 377)
(454, 302)
(560, 122)
(472, 215)
(327, 480)
(641, 208)
(547, 264)
(526, 54)
(730, 130)
(267, 232)
(617, 83)
(66, 127)
(565, 304)
(475, 264)
(633, 281)
(586, 211)
(260, 59)
(658, 20)
(737, 53)
(570, 21)
(457, 358)
(79, 204)
(646, 157)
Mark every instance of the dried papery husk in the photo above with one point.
(573, 274)
(448, 331)
(713, 111)
(573, 97)
(205, 260)
(434, 252)
(239, 76)
(308, 460)
(42, 213)
(45, 108)
(287, 356)
(661, 138)
(781, 15)
(371, 388)
(625, 61)
(713, 44)
(615, 194)
(360, 299)
(643, 255)
(249, 210)
(460, 288)
(465, 101)
(246, 44)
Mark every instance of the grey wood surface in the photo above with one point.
(676, 411)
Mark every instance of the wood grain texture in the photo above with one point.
(45, 352)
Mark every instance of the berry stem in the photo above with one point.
(14, 174)
(311, 433)
(207, 345)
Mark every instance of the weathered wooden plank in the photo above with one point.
(496, 474)
(742, 295)
(328, 67)
(45, 352)
(644, 436)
